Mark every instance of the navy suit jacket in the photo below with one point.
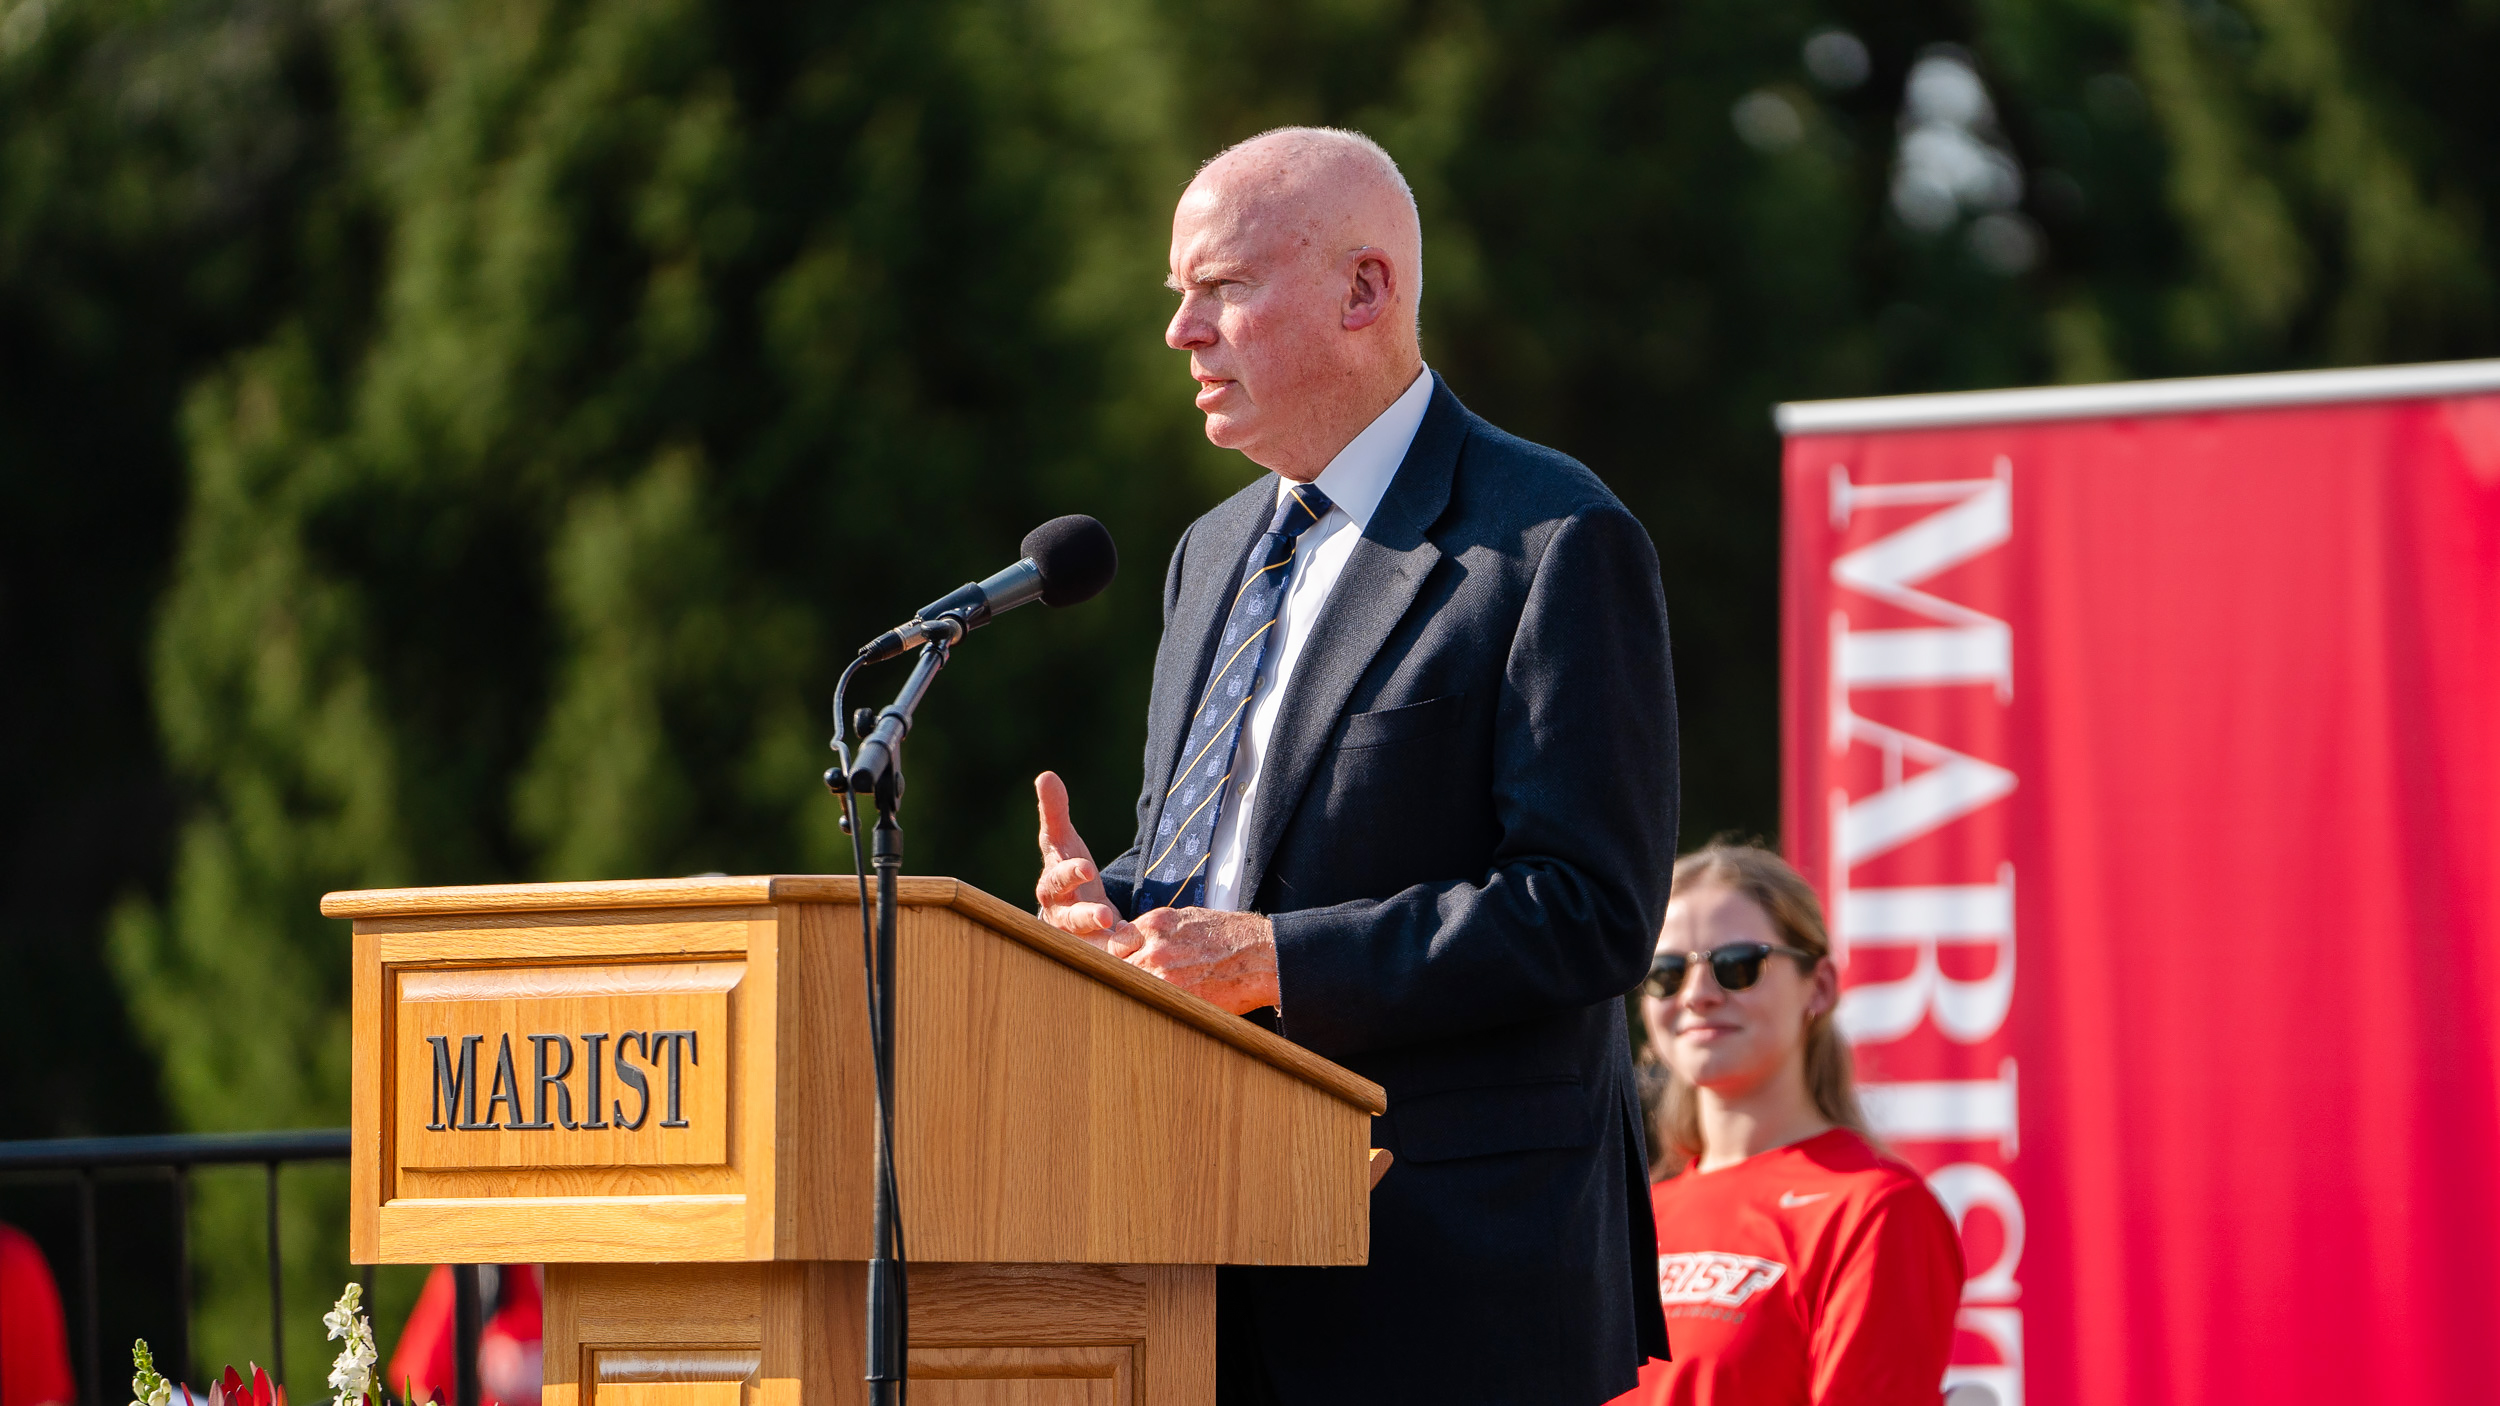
(1464, 837)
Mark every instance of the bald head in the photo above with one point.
(1330, 191)
(1298, 256)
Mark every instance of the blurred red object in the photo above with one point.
(508, 1353)
(34, 1346)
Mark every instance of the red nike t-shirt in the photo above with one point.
(1821, 1272)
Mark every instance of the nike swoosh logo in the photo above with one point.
(1790, 1200)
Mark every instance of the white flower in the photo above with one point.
(341, 1319)
(147, 1388)
(351, 1377)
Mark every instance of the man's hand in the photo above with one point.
(1227, 958)
(1070, 892)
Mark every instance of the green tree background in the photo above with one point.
(454, 443)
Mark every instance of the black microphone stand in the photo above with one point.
(878, 773)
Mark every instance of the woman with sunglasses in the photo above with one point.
(1798, 1263)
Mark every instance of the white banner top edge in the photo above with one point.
(2173, 397)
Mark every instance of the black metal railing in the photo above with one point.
(175, 1155)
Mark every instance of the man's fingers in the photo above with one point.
(1062, 878)
(1081, 919)
(1070, 888)
(1140, 936)
(1150, 939)
(1064, 905)
(1059, 838)
(1116, 936)
(1202, 951)
(1050, 802)
(1077, 920)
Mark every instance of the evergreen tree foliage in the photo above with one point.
(152, 159)
(2282, 183)
(158, 163)
(461, 442)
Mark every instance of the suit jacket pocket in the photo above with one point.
(1408, 720)
(1457, 1123)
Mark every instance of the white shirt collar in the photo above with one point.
(1358, 478)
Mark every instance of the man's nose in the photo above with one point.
(1191, 328)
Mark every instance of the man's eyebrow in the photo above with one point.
(1210, 274)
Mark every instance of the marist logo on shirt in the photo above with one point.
(1714, 1277)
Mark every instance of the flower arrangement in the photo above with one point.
(148, 1388)
(351, 1376)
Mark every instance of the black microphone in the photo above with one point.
(1066, 560)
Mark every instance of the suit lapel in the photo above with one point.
(1217, 546)
(1379, 582)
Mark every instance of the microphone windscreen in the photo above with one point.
(1075, 557)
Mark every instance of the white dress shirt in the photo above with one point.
(1355, 481)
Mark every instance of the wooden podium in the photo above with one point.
(661, 1090)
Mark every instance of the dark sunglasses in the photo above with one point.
(1735, 967)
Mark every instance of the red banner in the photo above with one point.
(2149, 766)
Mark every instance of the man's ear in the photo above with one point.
(1371, 289)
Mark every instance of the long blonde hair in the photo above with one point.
(1797, 915)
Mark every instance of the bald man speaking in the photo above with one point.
(1410, 798)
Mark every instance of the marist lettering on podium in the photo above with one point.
(455, 1081)
(566, 1066)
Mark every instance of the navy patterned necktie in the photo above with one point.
(1177, 877)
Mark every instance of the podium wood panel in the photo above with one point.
(678, 1099)
(553, 1228)
(1081, 1126)
(1025, 1376)
(649, 1335)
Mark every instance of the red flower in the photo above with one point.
(231, 1390)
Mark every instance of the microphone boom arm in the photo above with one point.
(876, 767)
